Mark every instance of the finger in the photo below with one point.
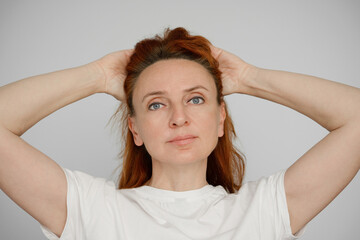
(215, 51)
(128, 53)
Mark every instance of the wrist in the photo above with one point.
(95, 76)
(248, 80)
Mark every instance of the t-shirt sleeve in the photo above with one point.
(82, 191)
(274, 206)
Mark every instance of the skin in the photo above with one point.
(38, 185)
(177, 113)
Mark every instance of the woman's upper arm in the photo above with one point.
(315, 179)
(33, 181)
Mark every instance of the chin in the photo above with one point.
(182, 159)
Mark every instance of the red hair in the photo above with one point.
(226, 165)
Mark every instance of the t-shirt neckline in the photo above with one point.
(162, 193)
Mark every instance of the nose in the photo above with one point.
(179, 117)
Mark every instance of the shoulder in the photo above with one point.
(85, 188)
(263, 202)
(265, 185)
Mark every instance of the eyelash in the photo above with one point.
(163, 104)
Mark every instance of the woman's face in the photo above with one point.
(176, 98)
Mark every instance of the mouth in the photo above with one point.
(183, 140)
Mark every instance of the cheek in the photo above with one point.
(151, 128)
(208, 118)
(153, 134)
(206, 123)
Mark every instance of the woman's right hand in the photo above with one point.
(112, 70)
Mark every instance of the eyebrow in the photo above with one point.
(164, 92)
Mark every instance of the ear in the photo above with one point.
(222, 120)
(132, 126)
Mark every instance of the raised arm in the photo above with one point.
(317, 177)
(29, 177)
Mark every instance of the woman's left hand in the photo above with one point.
(235, 71)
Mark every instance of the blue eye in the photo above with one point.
(197, 100)
(155, 106)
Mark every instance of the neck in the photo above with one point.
(178, 177)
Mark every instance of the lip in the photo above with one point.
(183, 140)
(179, 138)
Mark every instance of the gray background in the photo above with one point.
(319, 38)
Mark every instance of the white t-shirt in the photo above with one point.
(97, 210)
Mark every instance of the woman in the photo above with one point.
(182, 177)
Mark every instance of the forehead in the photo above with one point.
(173, 75)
